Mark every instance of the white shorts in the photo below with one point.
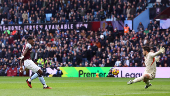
(29, 64)
(151, 76)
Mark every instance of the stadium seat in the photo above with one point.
(59, 8)
(14, 72)
(9, 72)
(48, 16)
(85, 16)
(68, 2)
(95, 13)
(105, 13)
(29, 21)
(108, 19)
(19, 22)
(149, 5)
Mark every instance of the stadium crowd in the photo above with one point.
(104, 48)
(62, 11)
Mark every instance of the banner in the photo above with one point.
(49, 26)
(134, 72)
(165, 24)
(94, 26)
(124, 72)
(84, 71)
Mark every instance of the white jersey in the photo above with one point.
(150, 62)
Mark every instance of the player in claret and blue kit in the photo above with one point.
(29, 64)
(150, 63)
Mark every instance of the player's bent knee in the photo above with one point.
(146, 76)
(40, 73)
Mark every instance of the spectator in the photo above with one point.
(117, 63)
(25, 16)
(7, 31)
(140, 27)
(59, 73)
(38, 20)
(126, 29)
(99, 53)
(98, 43)
(146, 31)
(10, 40)
(108, 11)
(119, 10)
(110, 27)
(110, 74)
(113, 18)
(140, 3)
(19, 15)
(124, 11)
(106, 31)
(127, 62)
(64, 59)
(150, 25)
(118, 18)
(128, 11)
(133, 11)
(139, 10)
(14, 31)
(15, 20)
(4, 72)
(131, 17)
(9, 55)
(5, 9)
(84, 59)
(155, 25)
(122, 18)
(44, 71)
(83, 28)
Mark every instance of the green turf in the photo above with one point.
(16, 86)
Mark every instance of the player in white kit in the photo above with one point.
(150, 63)
(29, 64)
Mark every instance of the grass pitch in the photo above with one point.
(16, 86)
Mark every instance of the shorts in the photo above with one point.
(151, 76)
(29, 64)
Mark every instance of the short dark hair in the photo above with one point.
(29, 38)
(146, 48)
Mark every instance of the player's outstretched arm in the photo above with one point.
(25, 51)
(21, 69)
(161, 50)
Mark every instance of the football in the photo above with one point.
(115, 71)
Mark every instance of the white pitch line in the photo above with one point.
(135, 93)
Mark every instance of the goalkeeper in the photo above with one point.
(150, 63)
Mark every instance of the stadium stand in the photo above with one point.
(80, 47)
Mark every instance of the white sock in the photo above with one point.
(138, 79)
(29, 79)
(147, 83)
(45, 85)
